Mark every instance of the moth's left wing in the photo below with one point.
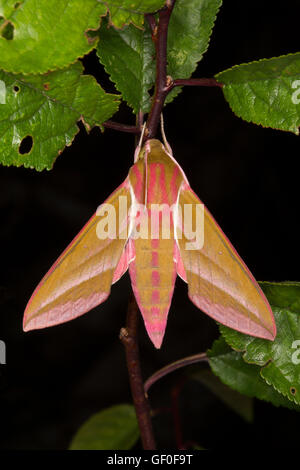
(81, 278)
(219, 282)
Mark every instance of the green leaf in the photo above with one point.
(128, 57)
(189, 32)
(113, 428)
(240, 404)
(285, 295)
(266, 92)
(123, 12)
(245, 378)
(47, 34)
(280, 359)
(46, 108)
(190, 28)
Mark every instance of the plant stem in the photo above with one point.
(186, 361)
(159, 37)
(122, 127)
(175, 395)
(128, 337)
(194, 82)
(152, 23)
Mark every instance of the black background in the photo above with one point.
(249, 179)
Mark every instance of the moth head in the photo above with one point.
(151, 147)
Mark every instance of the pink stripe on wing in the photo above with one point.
(139, 186)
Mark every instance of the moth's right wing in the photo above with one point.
(219, 282)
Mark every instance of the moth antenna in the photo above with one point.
(138, 149)
(166, 143)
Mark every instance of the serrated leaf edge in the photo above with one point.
(132, 21)
(290, 398)
(262, 367)
(294, 130)
(277, 405)
(60, 150)
(116, 85)
(245, 64)
(92, 41)
(281, 283)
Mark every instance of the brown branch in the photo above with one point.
(122, 127)
(186, 361)
(159, 37)
(175, 396)
(140, 120)
(164, 85)
(152, 23)
(195, 82)
(128, 337)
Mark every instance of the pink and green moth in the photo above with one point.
(219, 282)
